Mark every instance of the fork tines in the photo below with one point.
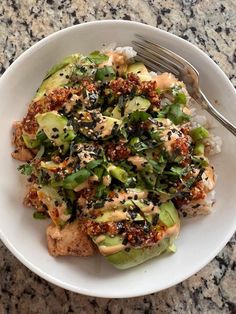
(155, 58)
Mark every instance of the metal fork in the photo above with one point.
(158, 58)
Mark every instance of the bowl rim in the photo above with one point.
(81, 290)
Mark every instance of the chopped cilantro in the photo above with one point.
(176, 114)
(180, 98)
(177, 170)
(101, 191)
(138, 116)
(38, 215)
(25, 169)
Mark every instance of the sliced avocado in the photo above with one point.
(123, 256)
(110, 216)
(168, 214)
(133, 257)
(58, 75)
(34, 141)
(55, 127)
(71, 59)
(116, 113)
(137, 103)
(139, 69)
(199, 133)
(30, 142)
(94, 125)
(118, 173)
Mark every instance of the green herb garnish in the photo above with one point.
(25, 169)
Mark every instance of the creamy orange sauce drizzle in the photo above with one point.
(165, 80)
(100, 239)
(108, 250)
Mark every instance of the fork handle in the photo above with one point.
(215, 113)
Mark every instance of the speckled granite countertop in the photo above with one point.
(211, 25)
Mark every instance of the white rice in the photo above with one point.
(153, 74)
(213, 144)
(128, 52)
(198, 208)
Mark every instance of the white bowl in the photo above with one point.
(200, 239)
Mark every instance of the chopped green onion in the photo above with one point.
(199, 149)
(118, 173)
(75, 179)
(199, 133)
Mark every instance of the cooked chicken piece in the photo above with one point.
(32, 200)
(138, 161)
(21, 153)
(117, 60)
(209, 179)
(17, 133)
(71, 240)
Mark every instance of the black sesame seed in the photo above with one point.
(55, 136)
(125, 241)
(155, 220)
